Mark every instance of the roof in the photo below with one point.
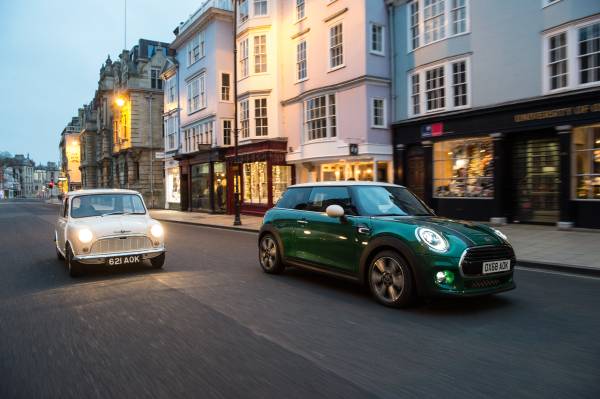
(345, 183)
(102, 191)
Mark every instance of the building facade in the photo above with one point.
(103, 105)
(69, 147)
(335, 94)
(497, 108)
(87, 142)
(198, 110)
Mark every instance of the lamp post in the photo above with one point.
(150, 97)
(237, 221)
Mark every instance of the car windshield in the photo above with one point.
(388, 201)
(84, 206)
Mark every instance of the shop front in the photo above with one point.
(529, 162)
(172, 185)
(203, 181)
(264, 175)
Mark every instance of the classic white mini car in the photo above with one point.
(107, 226)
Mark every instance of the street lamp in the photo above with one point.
(237, 221)
(120, 101)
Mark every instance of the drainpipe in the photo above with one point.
(391, 28)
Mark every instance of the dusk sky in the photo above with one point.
(52, 51)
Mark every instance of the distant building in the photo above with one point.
(70, 155)
(24, 168)
(87, 147)
(103, 105)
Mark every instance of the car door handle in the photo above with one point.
(364, 230)
(302, 221)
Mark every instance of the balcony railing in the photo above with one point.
(226, 5)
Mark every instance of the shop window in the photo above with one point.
(220, 186)
(200, 185)
(255, 183)
(282, 178)
(586, 147)
(463, 168)
(173, 185)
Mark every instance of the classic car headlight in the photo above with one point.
(500, 234)
(433, 239)
(157, 231)
(85, 236)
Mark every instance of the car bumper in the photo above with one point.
(474, 292)
(101, 258)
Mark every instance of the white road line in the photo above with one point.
(534, 270)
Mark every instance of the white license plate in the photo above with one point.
(496, 266)
(123, 260)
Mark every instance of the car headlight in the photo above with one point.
(432, 239)
(85, 236)
(157, 231)
(500, 234)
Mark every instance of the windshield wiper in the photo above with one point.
(115, 213)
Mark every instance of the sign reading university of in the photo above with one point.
(557, 113)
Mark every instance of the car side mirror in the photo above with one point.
(334, 211)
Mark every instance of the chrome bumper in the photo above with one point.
(100, 258)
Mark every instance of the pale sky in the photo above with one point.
(50, 56)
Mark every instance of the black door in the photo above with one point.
(536, 173)
(415, 171)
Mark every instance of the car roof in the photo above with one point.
(345, 183)
(102, 191)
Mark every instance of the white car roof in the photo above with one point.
(102, 191)
(345, 183)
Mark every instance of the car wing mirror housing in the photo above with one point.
(334, 211)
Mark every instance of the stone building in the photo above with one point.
(70, 156)
(137, 108)
(103, 100)
(87, 144)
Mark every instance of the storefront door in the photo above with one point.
(415, 177)
(536, 170)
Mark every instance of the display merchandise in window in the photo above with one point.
(463, 168)
(255, 183)
(173, 184)
(586, 148)
(282, 178)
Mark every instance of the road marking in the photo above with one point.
(535, 270)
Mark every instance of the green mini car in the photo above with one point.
(384, 236)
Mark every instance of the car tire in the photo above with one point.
(390, 280)
(158, 261)
(73, 266)
(269, 255)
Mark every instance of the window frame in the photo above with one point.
(229, 96)
(201, 93)
(330, 48)
(298, 61)
(330, 128)
(263, 117)
(244, 118)
(300, 5)
(200, 37)
(381, 52)
(575, 175)
(383, 125)
(243, 63)
(254, 6)
(229, 142)
(265, 54)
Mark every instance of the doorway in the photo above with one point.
(415, 170)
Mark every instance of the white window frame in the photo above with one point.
(448, 87)
(299, 61)
(171, 89)
(300, 6)
(244, 110)
(371, 42)
(243, 6)
(221, 87)
(244, 57)
(171, 124)
(256, 117)
(200, 39)
(265, 54)
(255, 4)
(383, 115)
(573, 71)
(329, 135)
(198, 85)
(330, 48)
(421, 24)
(231, 133)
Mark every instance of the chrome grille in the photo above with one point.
(472, 261)
(120, 244)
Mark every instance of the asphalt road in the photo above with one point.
(212, 325)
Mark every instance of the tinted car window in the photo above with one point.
(295, 198)
(322, 197)
(388, 201)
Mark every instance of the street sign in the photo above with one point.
(159, 155)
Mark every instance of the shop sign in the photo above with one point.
(433, 130)
(557, 113)
(159, 155)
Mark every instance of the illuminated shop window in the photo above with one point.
(463, 168)
(282, 178)
(255, 183)
(586, 159)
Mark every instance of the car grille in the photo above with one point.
(472, 262)
(485, 283)
(120, 244)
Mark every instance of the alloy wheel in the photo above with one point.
(387, 279)
(268, 252)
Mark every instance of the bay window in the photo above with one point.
(245, 118)
(427, 20)
(320, 116)
(244, 58)
(260, 53)
(260, 117)
(196, 94)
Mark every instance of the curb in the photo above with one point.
(557, 267)
(214, 226)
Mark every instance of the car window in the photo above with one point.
(322, 197)
(295, 198)
(388, 201)
(106, 204)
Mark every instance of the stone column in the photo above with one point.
(500, 167)
(564, 201)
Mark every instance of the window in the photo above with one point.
(260, 7)
(463, 168)
(321, 197)
(320, 117)
(260, 117)
(428, 20)
(245, 118)
(196, 94)
(459, 83)
(458, 15)
(244, 58)
(282, 178)
(301, 73)
(557, 57)
(225, 87)
(171, 89)
(299, 9)
(440, 88)
(336, 51)
(260, 54)
(586, 159)
(171, 132)
(589, 53)
(377, 39)
(155, 80)
(434, 88)
(227, 132)
(195, 48)
(243, 11)
(295, 198)
(378, 112)
(381, 201)
(255, 183)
